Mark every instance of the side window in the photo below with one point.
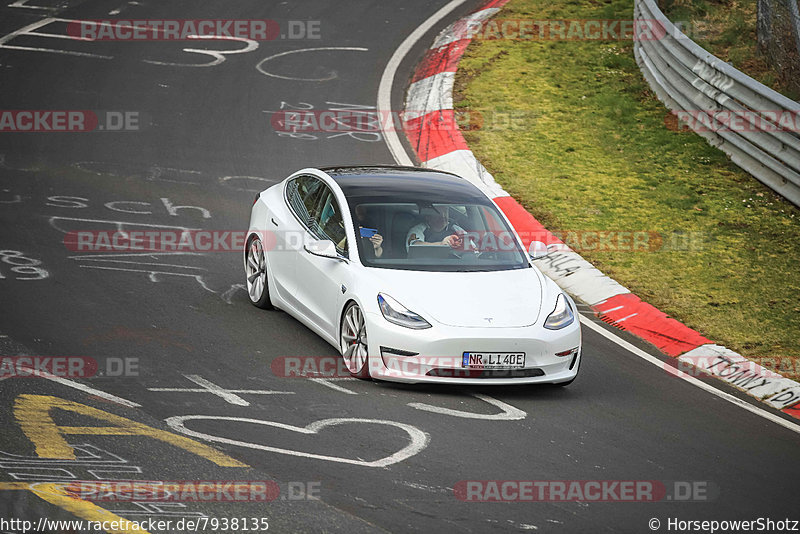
(293, 197)
(303, 194)
(315, 205)
(328, 222)
(314, 190)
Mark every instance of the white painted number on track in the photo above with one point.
(25, 268)
(331, 76)
(218, 55)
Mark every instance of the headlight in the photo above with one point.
(561, 316)
(396, 313)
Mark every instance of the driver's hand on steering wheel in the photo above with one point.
(453, 240)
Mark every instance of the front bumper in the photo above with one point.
(437, 353)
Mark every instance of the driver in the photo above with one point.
(362, 221)
(436, 230)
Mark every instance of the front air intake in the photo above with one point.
(445, 372)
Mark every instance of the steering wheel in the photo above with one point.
(462, 252)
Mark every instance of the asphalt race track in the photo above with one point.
(382, 457)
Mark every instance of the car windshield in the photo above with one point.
(434, 236)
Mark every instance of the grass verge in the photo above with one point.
(727, 29)
(588, 149)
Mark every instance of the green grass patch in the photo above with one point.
(589, 150)
(727, 29)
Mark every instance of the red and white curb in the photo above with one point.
(438, 143)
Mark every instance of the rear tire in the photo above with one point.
(256, 278)
(353, 341)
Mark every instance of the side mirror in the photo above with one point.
(323, 248)
(538, 250)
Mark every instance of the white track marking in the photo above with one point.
(228, 395)
(61, 36)
(226, 181)
(327, 383)
(218, 55)
(332, 76)
(83, 387)
(151, 263)
(55, 51)
(692, 380)
(119, 10)
(419, 439)
(204, 390)
(17, 200)
(387, 79)
(509, 412)
(29, 30)
(101, 257)
(24, 4)
(119, 224)
(214, 389)
(227, 296)
(153, 172)
(153, 275)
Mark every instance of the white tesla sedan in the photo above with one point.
(414, 275)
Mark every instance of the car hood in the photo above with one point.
(498, 299)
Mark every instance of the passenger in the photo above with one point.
(436, 230)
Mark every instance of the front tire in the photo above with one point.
(353, 341)
(256, 274)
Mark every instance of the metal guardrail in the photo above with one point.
(695, 84)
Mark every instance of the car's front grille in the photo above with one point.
(484, 373)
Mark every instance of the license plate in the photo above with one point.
(493, 360)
